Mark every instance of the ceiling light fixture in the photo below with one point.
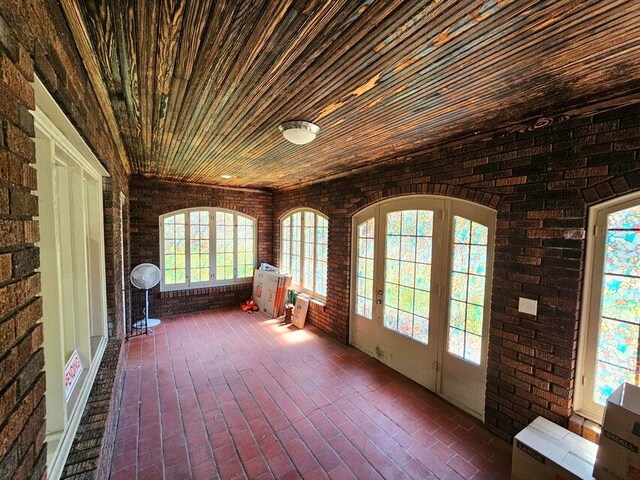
(226, 177)
(299, 132)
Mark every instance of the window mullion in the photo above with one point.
(315, 256)
(162, 254)
(211, 244)
(213, 247)
(235, 247)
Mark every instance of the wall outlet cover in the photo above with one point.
(528, 306)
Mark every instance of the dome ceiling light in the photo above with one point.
(299, 132)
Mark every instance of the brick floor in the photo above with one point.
(224, 394)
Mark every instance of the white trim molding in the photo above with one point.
(72, 249)
(590, 317)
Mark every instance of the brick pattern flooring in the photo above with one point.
(223, 394)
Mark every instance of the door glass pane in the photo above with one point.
(224, 245)
(322, 240)
(407, 272)
(175, 249)
(199, 246)
(466, 302)
(617, 357)
(246, 260)
(364, 270)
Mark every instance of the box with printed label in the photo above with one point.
(545, 450)
(269, 291)
(300, 310)
(618, 457)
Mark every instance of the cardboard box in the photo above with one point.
(545, 450)
(618, 457)
(269, 291)
(300, 310)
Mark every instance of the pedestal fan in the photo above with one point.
(144, 277)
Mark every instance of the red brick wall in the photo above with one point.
(34, 37)
(152, 198)
(541, 181)
(111, 201)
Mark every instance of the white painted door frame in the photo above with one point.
(457, 380)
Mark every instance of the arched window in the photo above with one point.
(611, 305)
(303, 250)
(203, 247)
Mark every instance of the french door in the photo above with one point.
(421, 290)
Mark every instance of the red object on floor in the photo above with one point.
(249, 306)
(220, 395)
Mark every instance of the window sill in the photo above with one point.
(188, 292)
(316, 303)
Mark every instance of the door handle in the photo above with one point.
(379, 301)
(379, 292)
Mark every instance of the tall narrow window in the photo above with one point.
(206, 247)
(225, 239)
(466, 305)
(364, 268)
(322, 250)
(613, 305)
(246, 260)
(175, 235)
(303, 250)
(199, 246)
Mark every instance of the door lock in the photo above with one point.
(379, 292)
(378, 301)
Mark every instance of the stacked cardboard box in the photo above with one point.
(545, 450)
(269, 291)
(618, 457)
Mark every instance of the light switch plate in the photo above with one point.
(528, 306)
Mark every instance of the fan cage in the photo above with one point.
(148, 272)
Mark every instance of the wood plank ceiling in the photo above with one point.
(198, 88)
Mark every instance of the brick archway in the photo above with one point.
(463, 193)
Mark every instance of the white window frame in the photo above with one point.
(213, 282)
(286, 268)
(591, 302)
(73, 269)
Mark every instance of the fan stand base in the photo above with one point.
(152, 322)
